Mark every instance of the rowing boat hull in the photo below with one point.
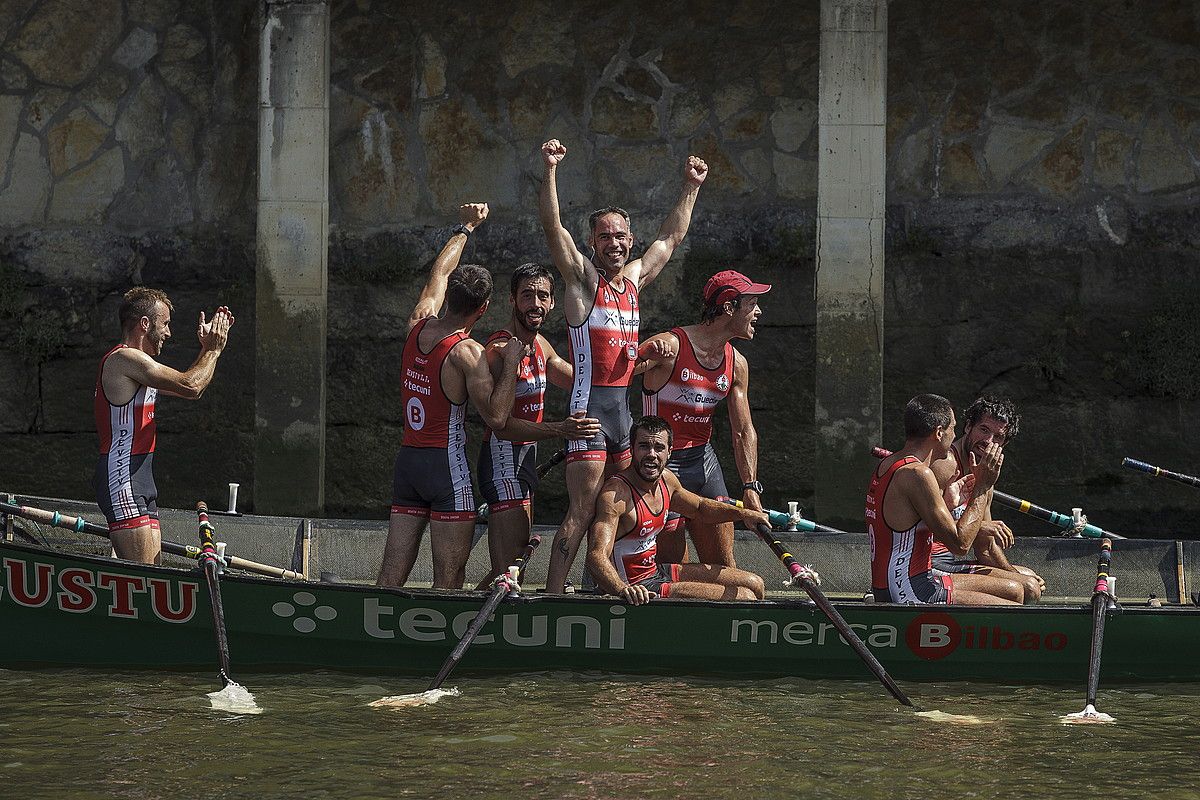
(62, 610)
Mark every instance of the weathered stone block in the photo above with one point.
(159, 197)
(960, 172)
(1009, 148)
(1161, 163)
(85, 194)
(139, 46)
(64, 40)
(616, 115)
(688, 112)
(466, 162)
(23, 200)
(142, 126)
(74, 140)
(102, 94)
(371, 180)
(18, 395)
(793, 121)
(536, 34)
(433, 69)
(1111, 167)
(43, 105)
(794, 177)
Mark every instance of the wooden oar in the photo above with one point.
(1063, 521)
(1101, 603)
(80, 525)
(1142, 466)
(506, 584)
(232, 695)
(804, 578)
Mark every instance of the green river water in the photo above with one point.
(77, 734)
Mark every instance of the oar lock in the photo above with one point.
(1079, 523)
(509, 580)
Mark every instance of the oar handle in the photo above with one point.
(1025, 507)
(1142, 466)
(800, 576)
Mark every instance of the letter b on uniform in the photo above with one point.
(414, 414)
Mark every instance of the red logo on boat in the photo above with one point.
(933, 635)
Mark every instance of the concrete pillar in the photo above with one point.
(292, 266)
(849, 274)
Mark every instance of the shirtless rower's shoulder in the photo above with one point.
(128, 382)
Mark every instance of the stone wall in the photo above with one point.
(1042, 179)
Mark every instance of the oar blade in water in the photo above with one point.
(235, 699)
(412, 700)
(952, 719)
(1089, 716)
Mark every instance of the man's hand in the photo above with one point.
(636, 595)
(656, 349)
(578, 426)
(751, 500)
(988, 471)
(959, 492)
(214, 334)
(754, 518)
(694, 171)
(472, 215)
(512, 351)
(554, 151)
(997, 532)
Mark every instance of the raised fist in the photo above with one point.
(694, 171)
(472, 215)
(554, 151)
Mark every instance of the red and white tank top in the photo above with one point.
(129, 429)
(939, 547)
(430, 418)
(604, 347)
(896, 556)
(530, 397)
(686, 401)
(634, 554)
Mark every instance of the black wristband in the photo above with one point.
(460, 228)
(753, 486)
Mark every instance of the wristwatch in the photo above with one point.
(753, 486)
(460, 228)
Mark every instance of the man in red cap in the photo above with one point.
(685, 387)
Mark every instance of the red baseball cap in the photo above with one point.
(728, 284)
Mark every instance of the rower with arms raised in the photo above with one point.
(127, 384)
(441, 367)
(601, 305)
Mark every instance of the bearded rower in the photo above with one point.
(684, 389)
(127, 386)
(631, 511)
(987, 420)
(601, 306)
(907, 509)
(508, 458)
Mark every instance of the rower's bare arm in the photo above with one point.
(558, 371)
(656, 358)
(693, 506)
(986, 472)
(611, 504)
(566, 256)
(130, 365)
(471, 215)
(741, 425)
(492, 398)
(920, 488)
(674, 227)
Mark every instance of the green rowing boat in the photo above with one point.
(62, 609)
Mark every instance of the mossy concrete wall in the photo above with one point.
(1040, 237)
